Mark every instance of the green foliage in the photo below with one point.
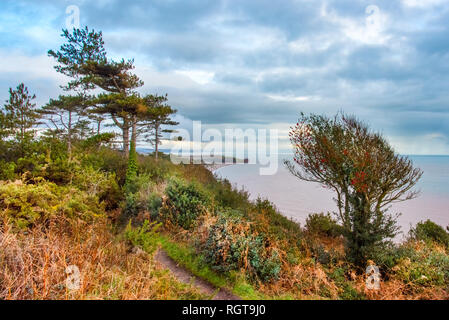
(157, 170)
(276, 225)
(430, 231)
(97, 140)
(107, 160)
(156, 115)
(347, 291)
(343, 154)
(28, 204)
(185, 203)
(231, 245)
(146, 236)
(423, 265)
(131, 172)
(322, 224)
(227, 196)
(82, 46)
(145, 199)
(20, 116)
(7, 170)
(102, 185)
(190, 259)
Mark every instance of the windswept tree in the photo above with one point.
(124, 110)
(359, 165)
(66, 114)
(117, 79)
(155, 118)
(20, 116)
(84, 59)
(81, 46)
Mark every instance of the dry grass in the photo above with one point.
(33, 264)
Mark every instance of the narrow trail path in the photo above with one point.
(187, 277)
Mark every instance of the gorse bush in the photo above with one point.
(28, 204)
(269, 221)
(185, 202)
(108, 160)
(423, 265)
(145, 236)
(322, 224)
(227, 196)
(145, 199)
(159, 170)
(7, 170)
(430, 231)
(98, 183)
(232, 245)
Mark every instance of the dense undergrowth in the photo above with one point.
(55, 212)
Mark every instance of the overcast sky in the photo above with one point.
(257, 63)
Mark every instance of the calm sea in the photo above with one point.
(297, 199)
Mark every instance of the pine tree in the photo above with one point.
(155, 117)
(82, 46)
(65, 113)
(20, 115)
(84, 59)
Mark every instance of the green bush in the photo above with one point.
(28, 204)
(430, 231)
(185, 203)
(98, 183)
(347, 292)
(232, 245)
(131, 172)
(277, 226)
(144, 199)
(425, 266)
(107, 160)
(159, 170)
(227, 196)
(7, 170)
(145, 236)
(322, 224)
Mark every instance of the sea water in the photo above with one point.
(296, 199)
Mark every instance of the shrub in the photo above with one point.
(232, 245)
(144, 199)
(423, 265)
(269, 221)
(227, 196)
(430, 231)
(145, 236)
(107, 160)
(7, 170)
(156, 170)
(100, 184)
(185, 203)
(28, 204)
(322, 224)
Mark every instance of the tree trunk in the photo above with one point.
(134, 130)
(99, 126)
(125, 131)
(156, 131)
(69, 136)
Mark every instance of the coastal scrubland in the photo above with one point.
(55, 213)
